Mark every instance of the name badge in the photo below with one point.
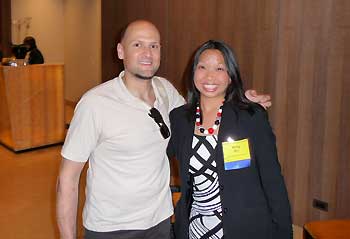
(236, 154)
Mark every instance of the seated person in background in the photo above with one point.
(33, 56)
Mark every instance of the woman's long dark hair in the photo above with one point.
(234, 92)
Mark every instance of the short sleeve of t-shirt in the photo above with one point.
(83, 132)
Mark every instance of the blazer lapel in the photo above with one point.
(229, 127)
(187, 142)
(229, 130)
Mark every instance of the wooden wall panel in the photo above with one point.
(343, 186)
(251, 35)
(343, 177)
(188, 28)
(319, 100)
(5, 27)
(308, 106)
(295, 50)
(337, 133)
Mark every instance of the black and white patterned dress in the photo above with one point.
(206, 212)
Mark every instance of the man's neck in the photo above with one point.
(140, 88)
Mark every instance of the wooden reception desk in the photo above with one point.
(31, 106)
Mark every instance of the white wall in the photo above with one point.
(66, 31)
(82, 46)
(46, 25)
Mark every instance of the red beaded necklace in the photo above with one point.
(212, 129)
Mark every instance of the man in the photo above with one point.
(120, 126)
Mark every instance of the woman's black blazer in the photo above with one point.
(254, 200)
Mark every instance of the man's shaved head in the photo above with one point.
(139, 48)
(137, 24)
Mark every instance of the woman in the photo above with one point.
(34, 55)
(232, 185)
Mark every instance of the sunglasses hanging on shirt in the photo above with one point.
(157, 117)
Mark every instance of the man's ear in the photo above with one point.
(120, 51)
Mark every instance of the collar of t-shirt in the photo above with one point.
(125, 95)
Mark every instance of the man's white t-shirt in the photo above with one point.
(128, 176)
